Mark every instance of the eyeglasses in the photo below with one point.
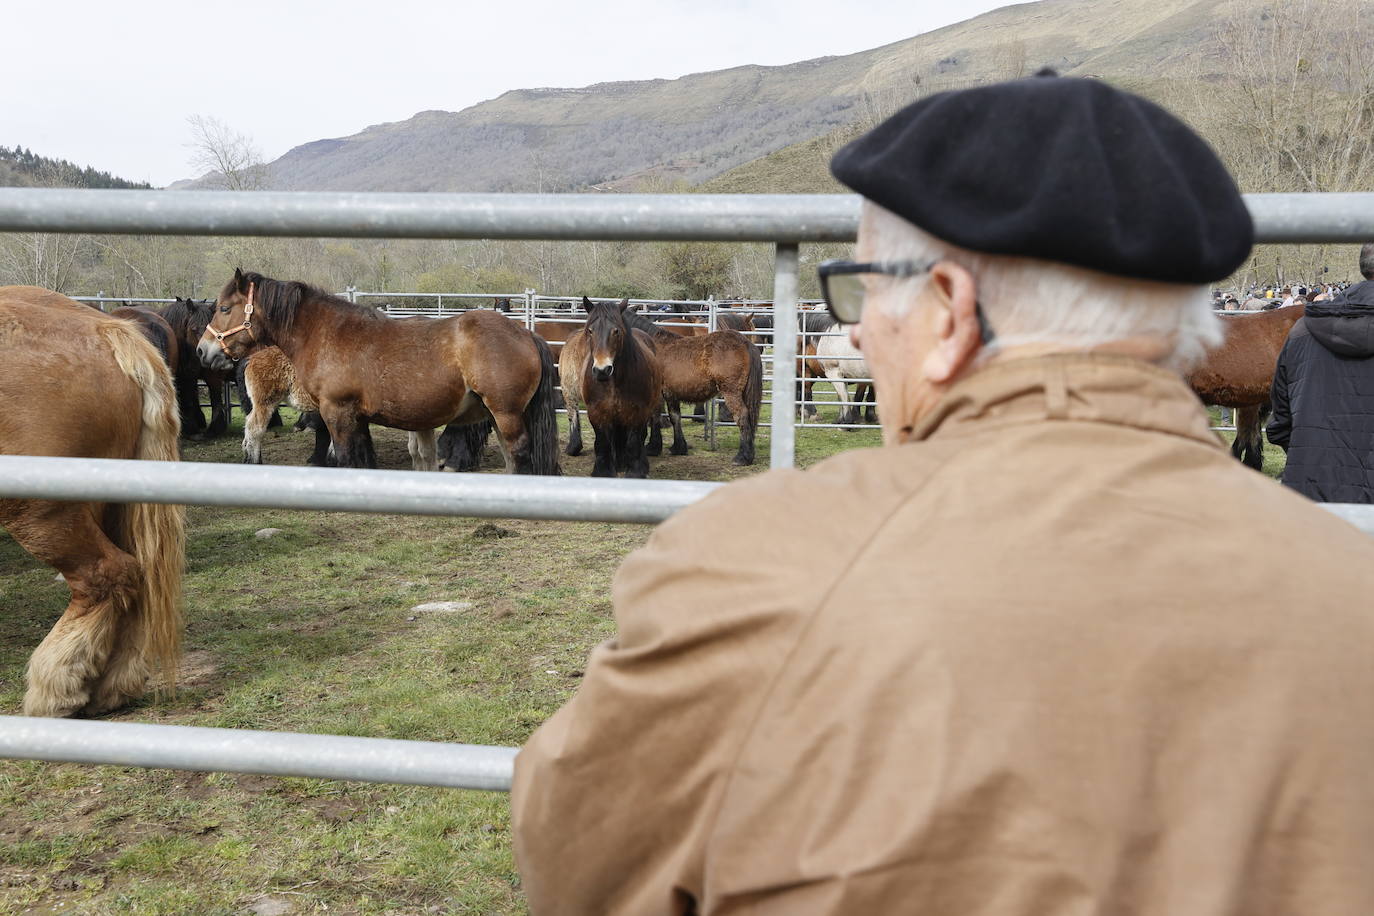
(843, 290)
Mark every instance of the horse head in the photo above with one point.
(236, 327)
(607, 332)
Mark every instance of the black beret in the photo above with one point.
(1057, 168)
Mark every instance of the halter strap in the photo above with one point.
(247, 325)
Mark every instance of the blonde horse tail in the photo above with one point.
(154, 534)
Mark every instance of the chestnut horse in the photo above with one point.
(614, 370)
(188, 319)
(696, 369)
(1240, 372)
(77, 383)
(361, 367)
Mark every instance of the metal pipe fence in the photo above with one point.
(785, 220)
(238, 750)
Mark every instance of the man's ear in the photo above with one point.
(954, 318)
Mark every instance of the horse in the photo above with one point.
(188, 319)
(156, 329)
(696, 369)
(614, 370)
(361, 367)
(838, 360)
(268, 381)
(557, 333)
(1240, 372)
(122, 561)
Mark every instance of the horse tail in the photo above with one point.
(541, 418)
(153, 534)
(753, 389)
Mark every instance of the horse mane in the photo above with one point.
(815, 322)
(280, 300)
(653, 329)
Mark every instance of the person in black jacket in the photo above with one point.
(1323, 399)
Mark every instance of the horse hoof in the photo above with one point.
(675, 450)
(742, 461)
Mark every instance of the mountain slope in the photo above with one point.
(705, 124)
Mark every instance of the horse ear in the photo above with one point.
(238, 278)
(586, 303)
(625, 306)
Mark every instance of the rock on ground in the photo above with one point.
(442, 607)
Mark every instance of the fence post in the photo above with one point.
(711, 326)
(783, 437)
(351, 292)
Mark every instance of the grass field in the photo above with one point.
(313, 630)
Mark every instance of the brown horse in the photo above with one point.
(188, 319)
(156, 330)
(122, 561)
(613, 369)
(696, 369)
(361, 367)
(557, 333)
(1240, 372)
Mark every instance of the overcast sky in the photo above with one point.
(112, 84)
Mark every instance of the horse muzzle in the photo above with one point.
(212, 356)
(603, 373)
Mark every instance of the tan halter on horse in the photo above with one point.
(247, 325)
(362, 368)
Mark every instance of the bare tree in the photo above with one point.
(1287, 100)
(226, 158)
(42, 259)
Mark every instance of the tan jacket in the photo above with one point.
(1062, 656)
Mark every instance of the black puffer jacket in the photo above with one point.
(1323, 399)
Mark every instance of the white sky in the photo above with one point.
(112, 84)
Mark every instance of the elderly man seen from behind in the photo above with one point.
(992, 667)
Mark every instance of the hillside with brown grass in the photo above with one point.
(700, 126)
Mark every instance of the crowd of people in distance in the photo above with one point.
(1262, 298)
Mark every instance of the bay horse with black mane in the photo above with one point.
(613, 368)
(80, 384)
(696, 369)
(361, 367)
(1240, 373)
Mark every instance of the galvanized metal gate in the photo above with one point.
(785, 220)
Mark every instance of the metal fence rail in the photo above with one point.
(348, 214)
(348, 490)
(788, 218)
(238, 750)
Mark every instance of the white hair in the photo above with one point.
(1032, 301)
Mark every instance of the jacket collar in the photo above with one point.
(1084, 387)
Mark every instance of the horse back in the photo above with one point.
(1240, 372)
(62, 393)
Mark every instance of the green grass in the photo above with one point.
(312, 630)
